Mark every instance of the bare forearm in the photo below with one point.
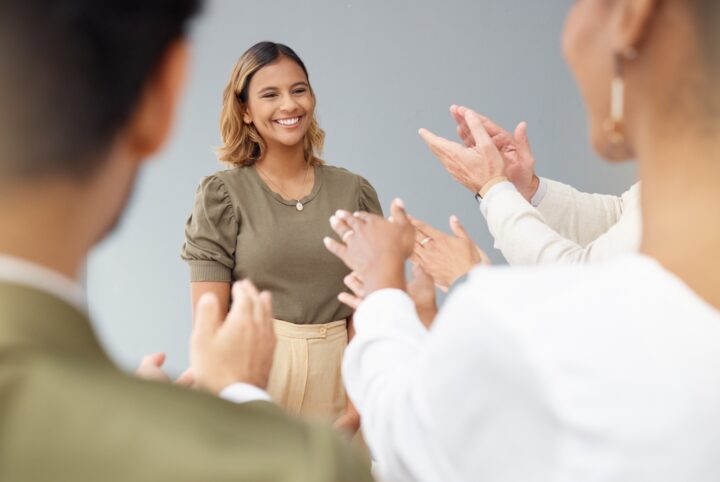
(219, 289)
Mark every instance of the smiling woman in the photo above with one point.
(265, 218)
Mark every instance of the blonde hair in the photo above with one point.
(242, 144)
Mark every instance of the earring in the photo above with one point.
(614, 125)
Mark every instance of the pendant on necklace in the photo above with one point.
(299, 206)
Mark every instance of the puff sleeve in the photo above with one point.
(368, 198)
(211, 233)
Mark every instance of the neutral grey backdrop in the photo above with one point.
(381, 69)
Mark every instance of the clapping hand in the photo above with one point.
(239, 349)
(151, 369)
(514, 149)
(474, 164)
(374, 247)
(445, 258)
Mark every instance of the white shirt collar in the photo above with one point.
(27, 273)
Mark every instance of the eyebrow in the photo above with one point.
(296, 84)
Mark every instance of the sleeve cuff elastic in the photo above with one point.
(202, 270)
(540, 193)
(243, 393)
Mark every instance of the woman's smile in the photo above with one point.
(289, 122)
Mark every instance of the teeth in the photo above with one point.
(288, 122)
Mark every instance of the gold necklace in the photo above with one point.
(299, 205)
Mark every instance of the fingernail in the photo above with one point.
(454, 219)
(333, 220)
(327, 241)
(340, 213)
(400, 202)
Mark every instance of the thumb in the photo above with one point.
(457, 228)
(397, 211)
(154, 359)
(207, 317)
(186, 379)
(521, 137)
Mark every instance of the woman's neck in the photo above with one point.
(284, 162)
(680, 169)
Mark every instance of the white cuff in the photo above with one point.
(243, 393)
(540, 193)
(499, 187)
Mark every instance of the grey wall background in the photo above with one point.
(381, 70)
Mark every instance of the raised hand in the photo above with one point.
(445, 258)
(239, 349)
(474, 164)
(151, 369)
(514, 149)
(373, 247)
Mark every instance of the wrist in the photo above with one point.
(426, 309)
(217, 384)
(529, 191)
(383, 273)
(485, 188)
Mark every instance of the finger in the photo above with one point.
(354, 284)
(421, 238)
(420, 275)
(457, 228)
(153, 359)
(186, 378)
(398, 213)
(484, 258)
(492, 128)
(424, 227)
(465, 136)
(207, 317)
(363, 216)
(338, 249)
(267, 318)
(415, 258)
(350, 300)
(241, 311)
(458, 115)
(339, 225)
(357, 279)
(254, 296)
(266, 303)
(352, 221)
(475, 124)
(521, 137)
(502, 140)
(440, 147)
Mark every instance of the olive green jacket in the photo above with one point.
(68, 414)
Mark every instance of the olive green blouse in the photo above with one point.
(239, 228)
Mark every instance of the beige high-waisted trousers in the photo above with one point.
(305, 377)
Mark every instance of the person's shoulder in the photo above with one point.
(341, 174)
(102, 411)
(231, 174)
